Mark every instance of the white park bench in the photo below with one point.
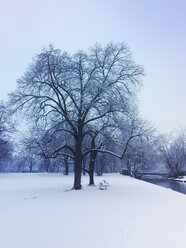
(103, 185)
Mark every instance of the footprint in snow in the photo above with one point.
(34, 197)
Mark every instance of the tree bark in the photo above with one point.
(66, 169)
(91, 177)
(91, 167)
(77, 178)
(93, 155)
(66, 166)
(78, 164)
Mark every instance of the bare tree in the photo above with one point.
(173, 152)
(5, 128)
(77, 91)
(28, 152)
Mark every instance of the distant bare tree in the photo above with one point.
(5, 128)
(173, 152)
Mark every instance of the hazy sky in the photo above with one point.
(155, 30)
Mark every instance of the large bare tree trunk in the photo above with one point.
(91, 167)
(78, 165)
(77, 177)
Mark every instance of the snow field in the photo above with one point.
(37, 212)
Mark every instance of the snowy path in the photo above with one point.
(36, 212)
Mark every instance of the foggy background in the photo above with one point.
(154, 30)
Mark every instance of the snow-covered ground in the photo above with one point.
(37, 212)
(182, 179)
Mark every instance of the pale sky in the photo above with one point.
(155, 30)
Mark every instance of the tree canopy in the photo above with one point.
(79, 94)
